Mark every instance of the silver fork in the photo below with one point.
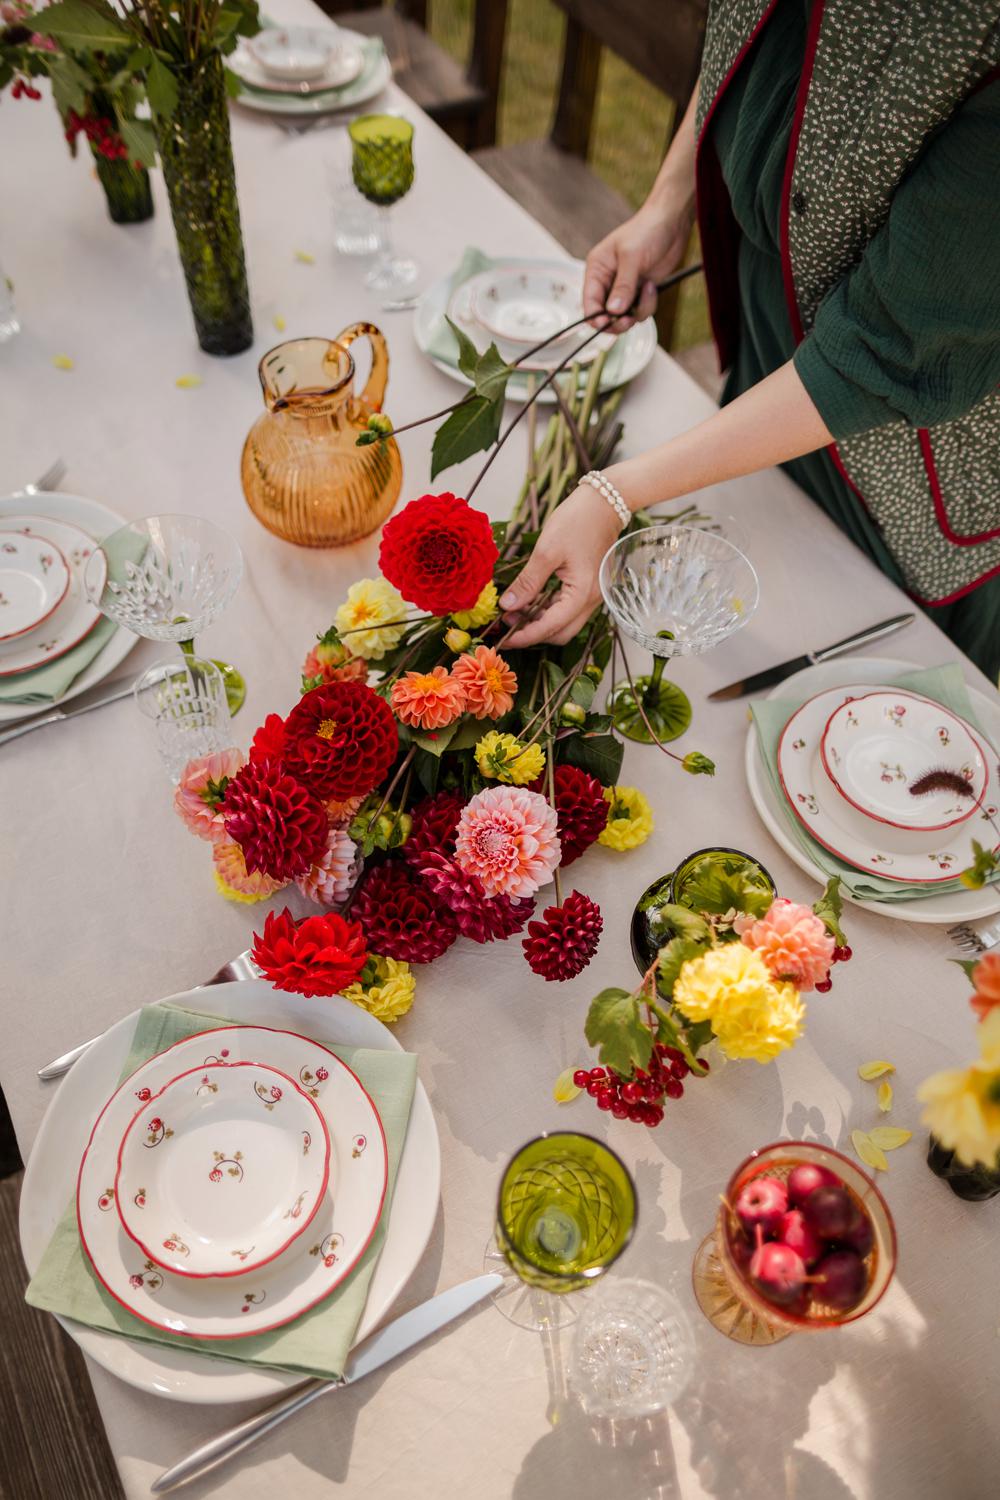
(241, 967)
(970, 940)
(50, 480)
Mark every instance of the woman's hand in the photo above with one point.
(571, 544)
(630, 261)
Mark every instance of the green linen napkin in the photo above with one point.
(317, 1343)
(48, 684)
(441, 343)
(946, 686)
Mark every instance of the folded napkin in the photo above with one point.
(49, 683)
(945, 685)
(441, 343)
(315, 1344)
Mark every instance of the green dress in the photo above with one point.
(912, 331)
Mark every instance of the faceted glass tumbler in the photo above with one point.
(186, 701)
(165, 577)
(633, 1350)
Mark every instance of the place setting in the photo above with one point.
(309, 71)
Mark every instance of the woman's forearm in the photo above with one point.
(770, 423)
(675, 179)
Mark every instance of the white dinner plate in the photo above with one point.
(461, 311)
(49, 1184)
(34, 577)
(375, 75)
(73, 619)
(221, 1169)
(957, 906)
(638, 345)
(97, 521)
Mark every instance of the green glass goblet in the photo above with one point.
(382, 166)
(566, 1210)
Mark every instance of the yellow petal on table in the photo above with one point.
(885, 1096)
(305, 257)
(889, 1137)
(871, 1070)
(870, 1154)
(279, 323)
(187, 382)
(62, 361)
(564, 1089)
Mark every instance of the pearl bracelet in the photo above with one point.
(602, 484)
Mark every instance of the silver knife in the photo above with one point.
(771, 675)
(109, 692)
(377, 1350)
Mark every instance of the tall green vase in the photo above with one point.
(197, 160)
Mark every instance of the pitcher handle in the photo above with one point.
(374, 392)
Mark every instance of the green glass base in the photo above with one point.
(668, 711)
(236, 688)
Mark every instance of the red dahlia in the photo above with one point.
(478, 917)
(401, 918)
(340, 740)
(562, 944)
(280, 826)
(439, 553)
(435, 821)
(269, 741)
(320, 956)
(580, 808)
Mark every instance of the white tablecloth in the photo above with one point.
(108, 901)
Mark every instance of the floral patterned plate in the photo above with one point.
(222, 1169)
(73, 618)
(305, 1273)
(874, 747)
(830, 820)
(34, 578)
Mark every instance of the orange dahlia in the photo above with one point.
(428, 700)
(489, 682)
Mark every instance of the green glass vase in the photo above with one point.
(197, 159)
(126, 188)
(974, 1184)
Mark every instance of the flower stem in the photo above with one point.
(403, 765)
(551, 776)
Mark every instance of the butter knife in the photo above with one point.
(378, 1349)
(761, 680)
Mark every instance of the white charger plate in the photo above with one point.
(639, 344)
(34, 577)
(97, 521)
(49, 1184)
(958, 906)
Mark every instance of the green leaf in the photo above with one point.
(829, 908)
(70, 84)
(472, 427)
(139, 60)
(602, 651)
(984, 866)
(672, 959)
(683, 923)
(709, 888)
(435, 743)
(965, 964)
(598, 754)
(161, 89)
(492, 374)
(427, 769)
(468, 354)
(227, 25)
(582, 692)
(468, 733)
(140, 139)
(234, 84)
(92, 27)
(614, 1025)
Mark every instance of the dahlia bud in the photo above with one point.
(698, 764)
(457, 640)
(392, 829)
(380, 424)
(572, 713)
(594, 672)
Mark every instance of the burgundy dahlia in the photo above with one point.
(400, 917)
(562, 944)
(435, 821)
(280, 826)
(478, 917)
(580, 808)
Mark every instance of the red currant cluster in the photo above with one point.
(840, 956)
(639, 1097)
(22, 86)
(99, 132)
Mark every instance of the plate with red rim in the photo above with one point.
(874, 747)
(34, 577)
(222, 1169)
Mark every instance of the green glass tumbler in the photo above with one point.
(382, 167)
(566, 1210)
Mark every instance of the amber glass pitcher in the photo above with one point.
(304, 477)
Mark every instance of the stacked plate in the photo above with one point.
(309, 69)
(231, 1183)
(888, 781)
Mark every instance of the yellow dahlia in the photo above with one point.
(370, 618)
(630, 818)
(389, 994)
(963, 1104)
(233, 880)
(502, 757)
(751, 1014)
(482, 612)
(761, 1032)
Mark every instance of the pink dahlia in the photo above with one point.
(201, 790)
(489, 683)
(428, 700)
(235, 881)
(793, 943)
(332, 877)
(479, 918)
(507, 838)
(435, 823)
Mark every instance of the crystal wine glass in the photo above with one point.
(632, 1350)
(186, 702)
(565, 1212)
(166, 578)
(678, 591)
(382, 165)
(730, 1290)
